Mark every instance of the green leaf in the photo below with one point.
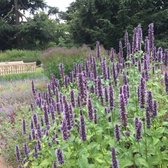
(142, 162)
(125, 163)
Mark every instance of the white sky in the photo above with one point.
(61, 4)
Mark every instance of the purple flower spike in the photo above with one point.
(111, 97)
(65, 133)
(166, 81)
(35, 120)
(90, 109)
(148, 119)
(138, 129)
(115, 163)
(54, 165)
(151, 35)
(72, 95)
(98, 49)
(26, 150)
(123, 113)
(18, 156)
(59, 155)
(23, 127)
(155, 109)
(82, 127)
(33, 88)
(117, 132)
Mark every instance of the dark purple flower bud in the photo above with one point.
(38, 145)
(31, 125)
(72, 95)
(26, 150)
(125, 80)
(128, 49)
(52, 110)
(114, 74)
(166, 81)
(23, 127)
(59, 155)
(94, 69)
(127, 133)
(125, 94)
(35, 152)
(150, 102)
(30, 137)
(138, 129)
(35, 120)
(42, 122)
(90, 109)
(18, 156)
(39, 131)
(148, 119)
(117, 132)
(65, 133)
(54, 165)
(111, 97)
(106, 94)
(46, 119)
(95, 116)
(123, 113)
(115, 163)
(139, 66)
(155, 108)
(82, 127)
(33, 88)
(142, 90)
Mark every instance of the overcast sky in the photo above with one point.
(61, 4)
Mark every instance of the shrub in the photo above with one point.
(20, 55)
(52, 57)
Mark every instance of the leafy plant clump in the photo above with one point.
(20, 55)
(52, 57)
(107, 113)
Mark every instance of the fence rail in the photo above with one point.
(16, 67)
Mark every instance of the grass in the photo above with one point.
(20, 55)
(39, 73)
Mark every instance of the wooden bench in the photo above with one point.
(16, 67)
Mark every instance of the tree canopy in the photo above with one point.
(107, 20)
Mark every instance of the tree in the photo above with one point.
(107, 20)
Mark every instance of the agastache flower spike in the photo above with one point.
(155, 109)
(72, 95)
(82, 127)
(148, 119)
(117, 132)
(59, 155)
(35, 120)
(111, 97)
(65, 133)
(61, 69)
(23, 127)
(90, 109)
(33, 88)
(115, 163)
(26, 150)
(151, 35)
(166, 81)
(18, 156)
(123, 114)
(138, 129)
(54, 165)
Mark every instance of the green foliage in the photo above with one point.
(149, 151)
(11, 133)
(20, 55)
(39, 73)
(52, 57)
(106, 21)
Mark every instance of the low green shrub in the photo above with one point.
(52, 57)
(20, 55)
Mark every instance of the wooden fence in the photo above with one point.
(16, 67)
